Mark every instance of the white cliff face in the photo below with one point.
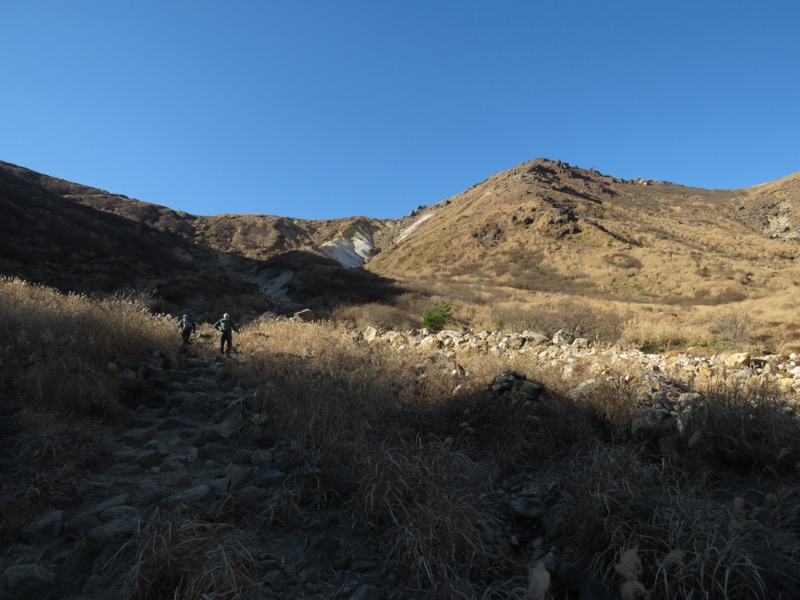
(352, 250)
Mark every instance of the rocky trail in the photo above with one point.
(179, 474)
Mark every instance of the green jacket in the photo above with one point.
(226, 326)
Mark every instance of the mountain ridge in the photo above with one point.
(541, 226)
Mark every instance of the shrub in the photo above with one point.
(437, 318)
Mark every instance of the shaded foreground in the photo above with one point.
(315, 464)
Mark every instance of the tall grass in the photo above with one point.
(413, 445)
(368, 418)
(617, 507)
(57, 375)
(387, 429)
(59, 346)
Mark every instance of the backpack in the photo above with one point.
(186, 324)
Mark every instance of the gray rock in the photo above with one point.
(27, 578)
(253, 495)
(306, 315)
(562, 337)
(120, 513)
(237, 476)
(269, 478)
(111, 530)
(81, 524)
(527, 508)
(44, 529)
(118, 500)
(193, 494)
(367, 592)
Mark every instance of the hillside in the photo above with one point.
(547, 226)
(83, 239)
(543, 227)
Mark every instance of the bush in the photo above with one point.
(438, 317)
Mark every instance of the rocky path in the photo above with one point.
(184, 490)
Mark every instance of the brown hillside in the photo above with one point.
(546, 226)
(544, 231)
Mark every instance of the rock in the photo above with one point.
(367, 592)
(45, 529)
(194, 494)
(306, 315)
(27, 578)
(527, 508)
(120, 513)
(562, 337)
(509, 381)
(268, 478)
(81, 524)
(108, 531)
(737, 360)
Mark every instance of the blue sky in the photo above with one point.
(324, 109)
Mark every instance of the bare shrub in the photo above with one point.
(734, 326)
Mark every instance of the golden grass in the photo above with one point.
(63, 347)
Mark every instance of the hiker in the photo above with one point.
(187, 327)
(226, 326)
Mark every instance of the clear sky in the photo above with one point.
(319, 109)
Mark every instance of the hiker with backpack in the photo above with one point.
(187, 327)
(226, 326)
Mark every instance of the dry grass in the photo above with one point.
(370, 420)
(612, 499)
(50, 454)
(386, 429)
(173, 557)
(61, 345)
(57, 378)
(745, 426)
(413, 444)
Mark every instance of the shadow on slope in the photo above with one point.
(300, 278)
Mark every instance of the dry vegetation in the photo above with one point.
(719, 517)
(61, 349)
(380, 435)
(59, 362)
